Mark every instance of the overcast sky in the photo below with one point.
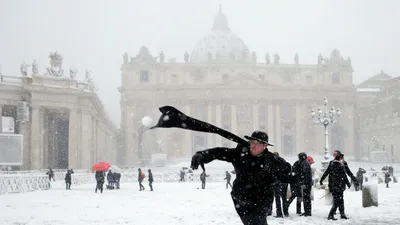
(95, 33)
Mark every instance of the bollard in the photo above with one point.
(370, 195)
(328, 197)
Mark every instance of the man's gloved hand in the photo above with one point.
(321, 183)
(349, 185)
(197, 159)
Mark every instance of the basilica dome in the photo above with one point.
(220, 45)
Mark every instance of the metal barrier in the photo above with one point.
(18, 183)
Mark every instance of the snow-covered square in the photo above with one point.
(173, 204)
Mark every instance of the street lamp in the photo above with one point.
(146, 124)
(326, 117)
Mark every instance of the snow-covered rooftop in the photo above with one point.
(368, 89)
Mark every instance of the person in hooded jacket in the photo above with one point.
(280, 189)
(337, 174)
(303, 184)
(256, 170)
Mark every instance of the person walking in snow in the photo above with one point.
(150, 180)
(228, 179)
(337, 174)
(140, 179)
(68, 179)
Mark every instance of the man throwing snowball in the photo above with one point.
(256, 170)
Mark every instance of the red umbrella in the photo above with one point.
(310, 159)
(101, 166)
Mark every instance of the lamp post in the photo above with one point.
(146, 124)
(325, 118)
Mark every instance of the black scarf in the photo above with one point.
(173, 118)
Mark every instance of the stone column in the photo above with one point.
(299, 135)
(24, 130)
(218, 123)
(209, 120)
(87, 139)
(73, 144)
(271, 121)
(1, 119)
(278, 129)
(130, 135)
(188, 135)
(96, 139)
(348, 126)
(234, 119)
(46, 136)
(35, 151)
(255, 117)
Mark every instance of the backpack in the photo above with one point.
(142, 175)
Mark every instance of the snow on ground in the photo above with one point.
(172, 204)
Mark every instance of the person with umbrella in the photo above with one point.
(100, 167)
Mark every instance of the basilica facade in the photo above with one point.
(222, 82)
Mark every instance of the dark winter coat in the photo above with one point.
(387, 177)
(360, 175)
(117, 177)
(304, 173)
(99, 177)
(295, 186)
(337, 175)
(255, 176)
(390, 170)
(68, 177)
(150, 177)
(110, 177)
(228, 177)
(50, 173)
(347, 170)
